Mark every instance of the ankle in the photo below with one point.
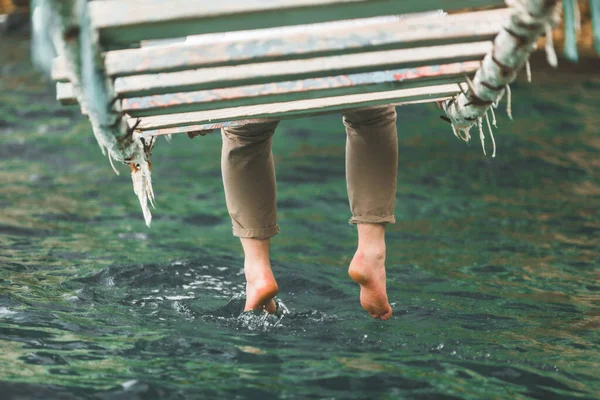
(260, 294)
(262, 288)
(371, 241)
(258, 270)
(257, 276)
(367, 263)
(256, 251)
(256, 262)
(371, 253)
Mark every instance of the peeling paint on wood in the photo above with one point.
(298, 90)
(324, 40)
(278, 71)
(295, 108)
(124, 22)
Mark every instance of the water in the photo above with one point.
(492, 267)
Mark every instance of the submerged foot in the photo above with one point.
(368, 270)
(260, 292)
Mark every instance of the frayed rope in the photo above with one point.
(487, 118)
(141, 175)
(509, 102)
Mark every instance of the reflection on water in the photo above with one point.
(493, 264)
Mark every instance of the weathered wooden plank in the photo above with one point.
(294, 108)
(209, 127)
(285, 31)
(199, 50)
(205, 128)
(278, 71)
(123, 22)
(65, 93)
(322, 40)
(286, 91)
(301, 42)
(298, 90)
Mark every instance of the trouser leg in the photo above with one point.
(371, 164)
(249, 179)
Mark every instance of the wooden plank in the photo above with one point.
(278, 71)
(124, 22)
(298, 90)
(294, 108)
(286, 31)
(206, 128)
(285, 91)
(293, 44)
(65, 93)
(209, 127)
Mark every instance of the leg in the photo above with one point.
(371, 172)
(249, 182)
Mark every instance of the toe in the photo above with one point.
(387, 315)
(380, 313)
(382, 316)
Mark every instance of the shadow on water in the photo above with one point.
(492, 268)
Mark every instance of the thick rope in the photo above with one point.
(512, 47)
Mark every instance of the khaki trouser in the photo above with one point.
(371, 170)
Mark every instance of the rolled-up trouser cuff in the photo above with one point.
(256, 233)
(373, 219)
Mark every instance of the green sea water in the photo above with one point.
(493, 265)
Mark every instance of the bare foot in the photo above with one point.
(260, 282)
(368, 270)
(260, 291)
